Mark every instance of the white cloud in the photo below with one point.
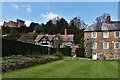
(28, 8)
(49, 15)
(16, 7)
(27, 22)
(1, 23)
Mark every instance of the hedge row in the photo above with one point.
(80, 52)
(64, 51)
(10, 47)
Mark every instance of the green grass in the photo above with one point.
(68, 69)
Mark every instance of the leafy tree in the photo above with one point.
(88, 47)
(50, 27)
(61, 25)
(5, 30)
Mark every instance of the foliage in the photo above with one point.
(11, 47)
(63, 51)
(59, 54)
(80, 52)
(27, 37)
(88, 47)
(48, 28)
(19, 61)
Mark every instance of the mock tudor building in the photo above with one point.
(106, 36)
(55, 41)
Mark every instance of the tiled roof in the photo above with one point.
(65, 38)
(114, 25)
(50, 37)
(38, 38)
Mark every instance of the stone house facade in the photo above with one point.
(17, 24)
(106, 38)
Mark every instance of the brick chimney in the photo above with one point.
(108, 20)
(65, 32)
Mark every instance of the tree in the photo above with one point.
(88, 47)
(61, 25)
(78, 22)
(5, 30)
(32, 26)
(50, 28)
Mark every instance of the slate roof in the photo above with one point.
(113, 26)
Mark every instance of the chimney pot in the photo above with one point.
(108, 20)
(65, 33)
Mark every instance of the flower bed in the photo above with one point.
(18, 62)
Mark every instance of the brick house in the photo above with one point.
(17, 24)
(55, 41)
(106, 36)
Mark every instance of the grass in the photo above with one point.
(68, 69)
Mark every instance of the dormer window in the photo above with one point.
(94, 35)
(106, 34)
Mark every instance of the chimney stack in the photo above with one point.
(65, 32)
(108, 19)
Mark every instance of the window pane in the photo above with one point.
(117, 45)
(106, 45)
(94, 45)
(94, 34)
(117, 34)
(105, 34)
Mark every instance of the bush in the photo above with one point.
(10, 47)
(59, 54)
(80, 52)
(66, 51)
(18, 62)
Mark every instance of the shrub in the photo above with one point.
(59, 54)
(65, 51)
(80, 52)
(20, 48)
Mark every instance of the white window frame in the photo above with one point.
(92, 36)
(95, 46)
(104, 45)
(105, 35)
(115, 34)
(115, 45)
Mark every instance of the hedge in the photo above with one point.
(64, 51)
(10, 47)
(80, 52)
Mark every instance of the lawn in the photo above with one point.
(68, 69)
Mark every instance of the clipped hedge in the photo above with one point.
(10, 47)
(80, 52)
(64, 51)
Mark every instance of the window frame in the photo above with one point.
(107, 45)
(104, 35)
(93, 34)
(115, 34)
(115, 45)
(95, 45)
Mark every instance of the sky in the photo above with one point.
(41, 12)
